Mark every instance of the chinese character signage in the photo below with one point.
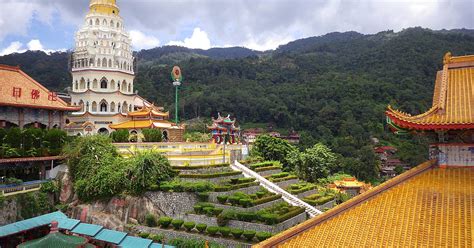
(52, 96)
(35, 94)
(16, 92)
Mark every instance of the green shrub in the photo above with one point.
(157, 237)
(237, 233)
(269, 219)
(166, 187)
(144, 235)
(249, 234)
(263, 164)
(260, 194)
(222, 220)
(213, 175)
(261, 236)
(225, 231)
(195, 167)
(212, 230)
(222, 199)
(154, 187)
(152, 135)
(150, 220)
(234, 200)
(201, 227)
(217, 211)
(281, 179)
(267, 168)
(245, 203)
(120, 136)
(165, 221)
(189, 225)
(290, 214)
(209, 211)
(222, 188)
(246, 216)
(49, 187)
(177, 224)
(203, 196)
(198, 209)
(280, 175)
(234, 180)
(266, 199)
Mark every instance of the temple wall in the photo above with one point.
(459, 155)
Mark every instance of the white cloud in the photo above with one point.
(199, 39)
(143, 41)
(14, 47)
(35, 45)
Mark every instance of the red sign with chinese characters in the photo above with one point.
(16, 92)
(35, 94)
(52, 96)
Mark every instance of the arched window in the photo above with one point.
(94, 84)
(118, 24)
(112, 23)
(129, 87)
(94, 106)
(130, 108)
(98, 62)
(112, 107)
(81, 103)
(90, 22)
(104, 62)
(103, 83)
(104, 22)
(76, 85)
(97, 22)
(118, 108)
(88, 84)
(112, 85)
(91, 62)
(103, 106)
(124, 85)
(125, 107)
(110, 63)
(82, 84)
(118, 85)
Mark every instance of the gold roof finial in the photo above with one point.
(447, 58)
(104, 7)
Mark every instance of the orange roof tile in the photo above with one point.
(132, 124)
(148, 111)
(20, 90)
(424, 207)
(453, 99)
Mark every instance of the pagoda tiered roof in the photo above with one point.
(453, 100)
(17, 89)
(222, 123)
(149, 111)
(147, 115)
(426, 206)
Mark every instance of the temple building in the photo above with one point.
(103, 71)
(222, 128)
(26, 103)
(152, 117)
(430, 205)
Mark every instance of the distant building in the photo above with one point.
(224, 128)
(251, 134)
(26, 103)
(350, 186)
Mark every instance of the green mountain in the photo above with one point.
(334, 87)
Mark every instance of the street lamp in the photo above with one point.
(177, 78)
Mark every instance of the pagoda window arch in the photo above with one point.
(124, 85)
(87, 106)
(82, 84)
(129, 87)
(90, 22)
(112, 24)
(97, 22)
(112, 107)
(91, 62)
(118, 85)
(94, 84)
(104, 22)
(130, 108)
(81, 103)
(110, 63)
(103, 83)
(88, 84)
(103, 105)
(112, 85)
(104, 62)
(94, 106)
(125, 107)
(98, 62)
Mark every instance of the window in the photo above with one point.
(103, 106)
(112, 107)
(103, 84)
(94, 107)
(94, 84)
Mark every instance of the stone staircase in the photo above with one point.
(272, 187)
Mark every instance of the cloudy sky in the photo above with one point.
(49, 25)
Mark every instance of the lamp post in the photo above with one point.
(177, 78)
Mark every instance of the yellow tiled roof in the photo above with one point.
(132, 124)
(424, 207)
(453, 99)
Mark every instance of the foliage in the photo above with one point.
(120, 136)
(144, 235)
(203, 196)
(213, 175)
(314, 163)
(192, 243)
(50, 187)
(201, 227)
(222, 199)
(261, 236)
(150, 220)
(157, 237)
(224, 231)
(189, 225)
(272, 148)
(165, 221)
(152, 135)
(177, 224)
(184, 186)
(212, 230)
(55, 140)
(31, 142)
(33, 204)
(249, 234)
(236, 232)
(197, 137)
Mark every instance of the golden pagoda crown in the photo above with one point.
(104, 7)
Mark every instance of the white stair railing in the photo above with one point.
(291, 199)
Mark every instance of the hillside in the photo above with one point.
(334, 87)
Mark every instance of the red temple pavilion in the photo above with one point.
(223, 127)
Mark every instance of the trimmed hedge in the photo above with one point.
(180, 186)
(234, 187)
(201, 227)
(144, 235)
(290, 214)
(237, 233)
(296, 191)
(267, 168)
(189, 225)
(276, 180)
(319, 201)
(214, 175)
(222, 199)
(280, 175)
(266, 199)
(150, 220)
(249, 234)
(177, 224)
(261, 236)
(225, 231)
(269, 219)
(262, 164)
(212, 230)
(165, 221)
(245, 203)
(196, 167)
(203, 196)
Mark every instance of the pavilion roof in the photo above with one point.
(149, 111)
(453, 100)
(17, 89)
(426, 206)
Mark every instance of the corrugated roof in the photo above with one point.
(156, 245)
(31, 223)
(424, 207)
(135, 242)
(110, 236)
(87, 229)
(453, 100)
(68, 224)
